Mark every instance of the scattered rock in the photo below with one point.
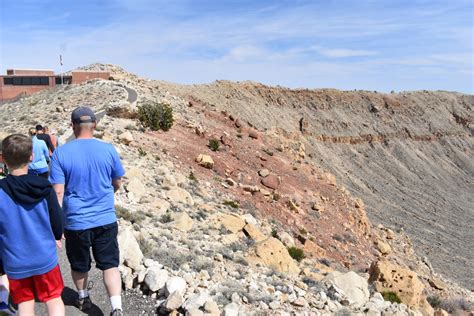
(383, 247)
(386, 276)
(253, 134)
(179, 195)
(205, 161)
(254, 233)
(130, 252)
(264, 172)
(274, 254)
(231, 222)
(175, 284)
(156, 278)
(354, 287)
(126, 138)
(174, 301)
(271, 182)
(182, 221)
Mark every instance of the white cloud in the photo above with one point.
(341, 53)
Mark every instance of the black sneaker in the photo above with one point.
(116, 312)
(83, 304)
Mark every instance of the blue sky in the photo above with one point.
(361, 44)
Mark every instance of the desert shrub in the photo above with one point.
(434, 301)
(303, 231)
(146, 246)
(156, 116)
(296, 253)
(141, 152)
(213, 144)
(275, 233)
(192, 177)
(126, 214)
(454, 305)
(165, 218)
(391, 297)
(232, 204)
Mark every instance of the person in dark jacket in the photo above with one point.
(40, 134)
(31, 225)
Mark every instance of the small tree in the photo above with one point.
(156, 116)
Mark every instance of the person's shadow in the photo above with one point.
(69, 296)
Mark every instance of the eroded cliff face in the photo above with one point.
(407, 155)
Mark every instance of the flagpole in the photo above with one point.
(61, 63)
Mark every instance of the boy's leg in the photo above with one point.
(4, 288)
(55, 307)
(26, 308)
(80, 281)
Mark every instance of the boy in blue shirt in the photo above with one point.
(31, 225)
(39, 165)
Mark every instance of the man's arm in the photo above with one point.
(59, 189)
(117, 183)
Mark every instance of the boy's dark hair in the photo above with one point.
(17, 150)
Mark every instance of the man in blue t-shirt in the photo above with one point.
(85, 173)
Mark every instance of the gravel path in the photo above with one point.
(133, 302)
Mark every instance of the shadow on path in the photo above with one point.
(69, 297)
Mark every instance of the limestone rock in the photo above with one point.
(130, 252)
(286, 239)
(176, 284)
(390, 277)
(312, 249)
(231, 309)
(253, 232)
(212, 308)
(137, 188)
(126, 138)
(264, 172)
(121, 109)
(231, 222)
(383, 247)
(273, 253)
(182, 221)
(196, 301)
(156, 278)
(179, 195)
(174, 301)
(205, 161)
(354, 287)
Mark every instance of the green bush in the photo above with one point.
(213, 144)
(232, 204)
(391, 297)
(275, 233)
(156, 116)
(165, 218)
(434, 301)
(296, 253)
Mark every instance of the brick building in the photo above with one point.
(19, 82)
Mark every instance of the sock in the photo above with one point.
(83, 293)
(3, 295)
(116, 302)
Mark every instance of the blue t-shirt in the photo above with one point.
(40, 157)
(86, 167)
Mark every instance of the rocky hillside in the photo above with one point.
(274, 221)
(407, 155)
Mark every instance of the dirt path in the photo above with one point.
(133, 302)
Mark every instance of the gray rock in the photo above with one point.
(175, 284)
(196, 301)
(174, 301)
(231, 309)
(156, 278)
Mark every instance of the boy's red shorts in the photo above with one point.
(44, 287)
